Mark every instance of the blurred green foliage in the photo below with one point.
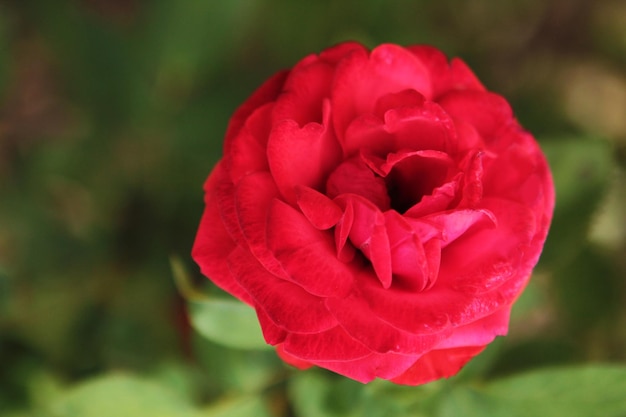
(112, 113)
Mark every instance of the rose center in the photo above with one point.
(413, 178)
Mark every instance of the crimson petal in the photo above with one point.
(425, 127)
(445, 76)
(437, 364)
(360, 80)
(354, 177)
(253, 197)
(363, 324)
(408, 258)
(479, 332)
(489, 113)
(304, 90)
(368, 234)
(307, 253)
(322, 212)
(248, 149)
(213, 244)
(376, 365)
(455, 223)
(302, 156)
(286, 304)
(334, 344)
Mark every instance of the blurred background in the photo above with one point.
(112, 114)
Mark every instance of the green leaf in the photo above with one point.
(589, 391)
(121, 395)
(229, 323)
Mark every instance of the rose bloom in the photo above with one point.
(380, 210)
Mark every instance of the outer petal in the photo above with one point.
(446, 76)
(479, 274)
(214, 244)
(335, 54)
(358, 319)
(437, 364)
(480, 332)
(248, 152)
(489, 113)
(253, 197)
(530, 182)
(306, 253)
(306, 88)
(360, 80)
(287, 305)
(330, 345)
(483, 259)
(376, 365)
(272, 333)
(292, 360)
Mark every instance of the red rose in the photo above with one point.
(380, 210)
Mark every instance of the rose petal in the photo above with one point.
(322, 212)
(354, 177)
(345, 250)
(472, 190)
(408, 258)
(247, 150)
(335, 54)
(368, 234)
(530, 183)
(437, 364)
(479, 273)
(225, 195)
(479, 332)
(405, 98)
(292, 360)
(286, 304)
(384, 167)
(307, 253)
(476, 255)
(363, 324)
(376, 365)
(302, 156)
(427, 127)
(213, 244)
(304, 91)
(489, 113)
(253, 197)
(360, 80)
(455, 223)
(272, 333)
(411, 175)
(330, 345)
(445, 76)
(440, 199)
